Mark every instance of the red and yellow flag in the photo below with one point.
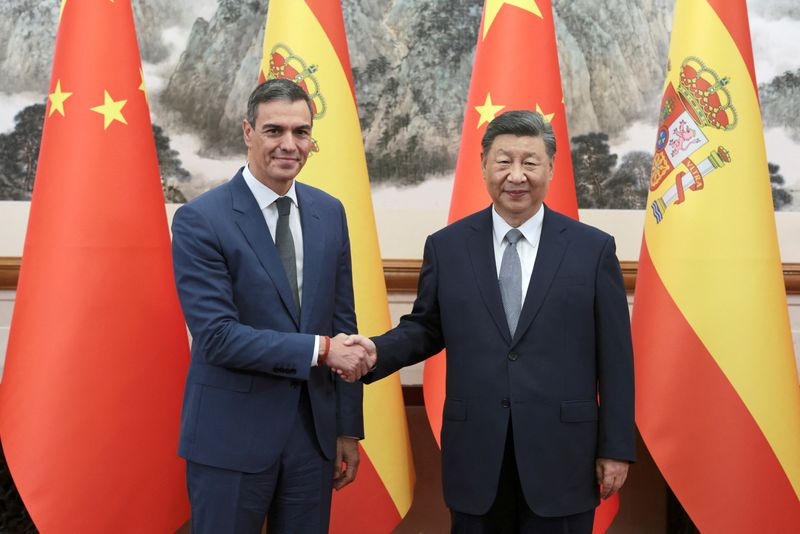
(717, 399)
(516, 67)
(305, 41)
(97, 355)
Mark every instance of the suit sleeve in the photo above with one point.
(419, 334)
(616, 434)
(206, 294)
(349, 397)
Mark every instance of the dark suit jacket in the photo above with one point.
(250, 350)
(572, 342)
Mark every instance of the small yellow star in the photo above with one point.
(493, 7)
(487, 110)
(111, 110)
(547, 116)
(61, 11)
(142, 88)
(57, 99)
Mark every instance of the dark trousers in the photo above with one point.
(294, 494)
(510, 513)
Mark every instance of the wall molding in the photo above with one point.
(402, 275)
(9, 272)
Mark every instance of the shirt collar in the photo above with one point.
(264, 195)
(531, 229)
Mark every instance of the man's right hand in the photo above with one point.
(350, 362)
(367, 344)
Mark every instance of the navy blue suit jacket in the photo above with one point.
(250, 350)
(572, 342)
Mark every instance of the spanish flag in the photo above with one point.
(516, 67)
(304, 41)
(717, 398)
(97, 355)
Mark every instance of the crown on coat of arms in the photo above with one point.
(283, 63)
(706, 95)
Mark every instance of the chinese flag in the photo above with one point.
(717, 399)
(304, 40)
(97, 354)
(516, 67)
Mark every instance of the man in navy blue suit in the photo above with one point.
(262, 265)
(532, 310)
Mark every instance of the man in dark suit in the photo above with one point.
(531, 308)
(262, 265)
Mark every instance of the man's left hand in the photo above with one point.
(611, 475)
(347, 454)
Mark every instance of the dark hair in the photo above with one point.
(522, 123)
(276, 89)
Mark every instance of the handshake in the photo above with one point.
(351, 356)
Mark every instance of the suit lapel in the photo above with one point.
(251, 222)
(552, 246)
(481, 253)
(313, 250)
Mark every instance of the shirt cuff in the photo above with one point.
(316, 352)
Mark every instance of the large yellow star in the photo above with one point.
(57, 99)
(493, 8)
(111, 110)
(547, 116)
(488, 110)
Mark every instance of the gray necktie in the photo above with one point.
(284, 242)
(511, 280)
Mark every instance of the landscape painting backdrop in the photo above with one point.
(412, 62)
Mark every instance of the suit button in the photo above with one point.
(513, 356)
(506, 403)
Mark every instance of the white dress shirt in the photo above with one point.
(266, 197)
(527, 246)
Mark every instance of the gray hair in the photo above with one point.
(276, 89)
(522, 123)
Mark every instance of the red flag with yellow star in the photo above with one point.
(97, 354)
(516, 67)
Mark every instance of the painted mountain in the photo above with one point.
(412, 64)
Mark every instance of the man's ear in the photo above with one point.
(247, 131)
